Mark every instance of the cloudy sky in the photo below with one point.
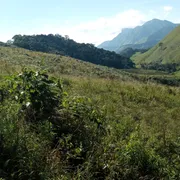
(89, 21)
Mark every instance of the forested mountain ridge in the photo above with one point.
(140, 37)
(63, 45)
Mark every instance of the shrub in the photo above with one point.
(38, 94)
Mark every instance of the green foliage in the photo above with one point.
(128, 52)
(65, 46)
(67, 128)
(143, 123)
(169, 67)
(80, 126)
(21, 156)
(15, 59)
(37, 93)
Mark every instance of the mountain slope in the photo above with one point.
(165, 52)
(140, 37)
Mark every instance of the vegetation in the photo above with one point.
(63, 118)
(128, 52)
(65, 46)
(164, 56)
(13, 59)
(3, 44)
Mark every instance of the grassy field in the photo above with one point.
(14, 59)
(140, 121)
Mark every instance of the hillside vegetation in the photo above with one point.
(62, 118)
(14, 59)
(129, 52)
(164, 56)
(64, 46)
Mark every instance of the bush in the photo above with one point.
(38, 94)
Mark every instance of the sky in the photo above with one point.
(87, 21)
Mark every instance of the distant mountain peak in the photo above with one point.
(140, 37)
(155, 19)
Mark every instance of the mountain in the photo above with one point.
(163, 56)
(63, 45)
(140, 37)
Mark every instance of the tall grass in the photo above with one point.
(107, 126)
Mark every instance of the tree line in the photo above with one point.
(57, 44)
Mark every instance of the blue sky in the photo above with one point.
(91, 21)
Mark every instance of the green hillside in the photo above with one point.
(167, 52)
(77, 120)
(14, 59)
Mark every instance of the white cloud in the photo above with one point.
(168, 8)
(104, 28)
(97, 31)
(6, 36)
